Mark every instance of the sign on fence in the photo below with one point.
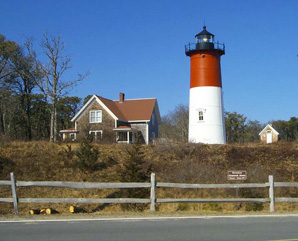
(237, 175)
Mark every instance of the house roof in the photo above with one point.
(131, 110)
(128, 110)
(269, 126)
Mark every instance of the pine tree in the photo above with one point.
(135, 170)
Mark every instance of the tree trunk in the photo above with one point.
(52, 134)
(28, 114)
(55, 123)
(53, 130)
(2, 129)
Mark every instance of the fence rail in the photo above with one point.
(202, 186)
(152, 185)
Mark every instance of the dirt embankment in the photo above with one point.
(180, 163)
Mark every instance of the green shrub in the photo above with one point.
(88, 155)
(134, 170)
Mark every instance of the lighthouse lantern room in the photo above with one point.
(206, 114)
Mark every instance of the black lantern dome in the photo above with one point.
(204, 40)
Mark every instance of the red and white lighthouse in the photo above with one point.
(206, 114)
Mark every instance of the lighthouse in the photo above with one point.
(206, 113)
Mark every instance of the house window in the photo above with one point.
(122, 136)
(95, 116)
(153, 119)
(97, 135)
(71, 136)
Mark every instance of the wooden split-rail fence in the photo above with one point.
(153, 185)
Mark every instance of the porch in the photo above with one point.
(126, 134)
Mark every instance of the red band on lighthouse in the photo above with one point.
(205, 69)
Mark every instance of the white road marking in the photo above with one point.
(146, 218)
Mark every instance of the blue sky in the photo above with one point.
(137, 47)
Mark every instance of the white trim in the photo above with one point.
(122, 130)
(134, 121)
(270, 126)
(147, 133)
(106, 108)
(68, 131)
(94, 97)
(269, 138)
(126, 129)
(83, 108)
(148, 218)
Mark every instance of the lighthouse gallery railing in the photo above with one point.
(193, 46)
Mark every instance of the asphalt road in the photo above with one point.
(186, 229)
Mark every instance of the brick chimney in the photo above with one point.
(121, 97)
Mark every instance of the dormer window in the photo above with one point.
(95, 116)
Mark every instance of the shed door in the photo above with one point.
(269, 136)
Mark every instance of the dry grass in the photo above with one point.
(180, 163)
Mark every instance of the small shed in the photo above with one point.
(268, 135)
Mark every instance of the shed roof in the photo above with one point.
(269, 126)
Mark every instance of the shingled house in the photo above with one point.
(268, 135)
(123, 121)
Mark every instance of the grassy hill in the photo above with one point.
(180, 163)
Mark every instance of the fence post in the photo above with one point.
(152, 193)
(14, 193)
(271, 193)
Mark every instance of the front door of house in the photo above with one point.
(269, 137)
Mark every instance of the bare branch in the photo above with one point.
(53, 84)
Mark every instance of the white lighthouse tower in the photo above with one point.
(206, 114)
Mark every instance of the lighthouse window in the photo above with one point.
(201, 116)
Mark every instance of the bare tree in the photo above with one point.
(175, 124)
(52, 84)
